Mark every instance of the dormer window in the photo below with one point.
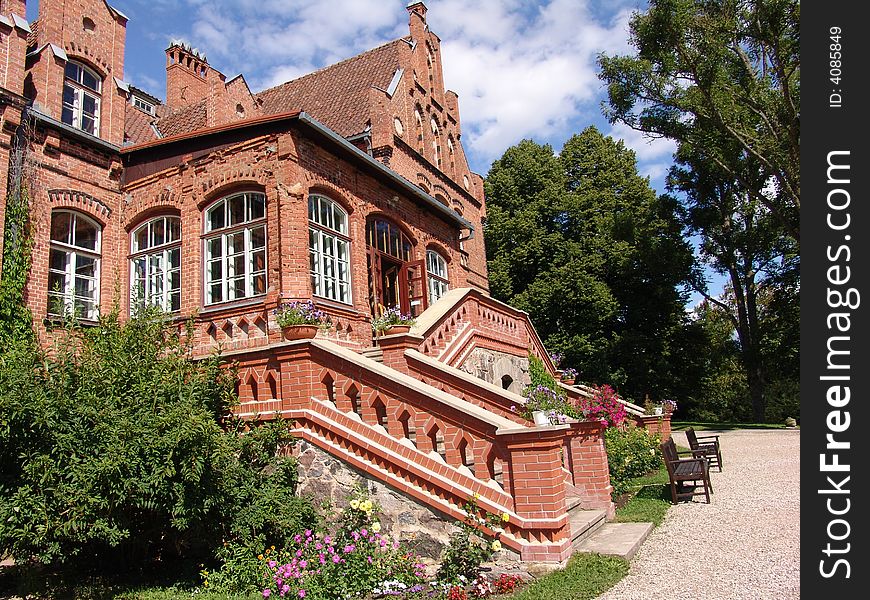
(143, 105)
(81, 98)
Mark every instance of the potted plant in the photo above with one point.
(569, 375)
(300, 320)
(544, 406)
(669, 406)
(392, 321)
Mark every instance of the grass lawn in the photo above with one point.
(703, 426)
(586, 576)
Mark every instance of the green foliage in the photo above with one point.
(113, 449)
(631, 452)
(15, 318)
(468, 548)
(539, 374)
(586, 576)
(581, 242)
(355, 560)
(723, 80)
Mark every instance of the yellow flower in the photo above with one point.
(260, 556)
(505, 517)
(376, 526)
(366, 505)
(496, 546)
(354, 504)
(476, 496)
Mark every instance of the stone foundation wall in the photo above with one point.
(496, 367)
(326, 479)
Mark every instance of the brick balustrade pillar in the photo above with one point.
(393, 348)
(656, 425)
(587, 461)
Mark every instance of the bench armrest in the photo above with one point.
(707, 437)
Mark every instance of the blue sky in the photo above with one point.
(522, 68)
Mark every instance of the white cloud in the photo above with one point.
(522, 68)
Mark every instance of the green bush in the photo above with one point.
(631, 452)
(118, 448)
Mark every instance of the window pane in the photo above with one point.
(140, 238)
(56, 282)
(258, 237)
(312, 208)
(89, 104)
(67, 116)
(61, 223)
(72, 71)
(88, 80)
(215, 270)
(174, 229)
(340, 219)
(216, 218)
(259, 286)
(89, 125)
(86, 266)
(174, 256)
(158, 232)
(258, 261)
(258, 206)
(216, 293)
(215, 248)
(57, 260)
(85, 234)
(236, 209)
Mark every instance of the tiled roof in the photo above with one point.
(137, 126)
(189, 118)
(337, 95)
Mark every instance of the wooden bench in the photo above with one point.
(682, 470)
(706, 446)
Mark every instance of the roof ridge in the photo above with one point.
(333, 65)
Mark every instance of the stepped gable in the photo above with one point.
(137, 126)
(337, 95)
(190, 118)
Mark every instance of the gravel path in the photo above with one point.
(744, 544)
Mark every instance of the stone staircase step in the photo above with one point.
(615, 539)
(374, 353)
(584, 523)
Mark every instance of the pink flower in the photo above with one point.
(336, 558)
(301, 593)
(267, 592)
(272, 564)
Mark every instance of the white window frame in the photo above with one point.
(155, 255)
(70, 274)
(220, 269)
(80, 88)
(143, 105)
(436, 275)
(329, 249)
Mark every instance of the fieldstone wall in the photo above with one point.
(498, 368)
(327, 479)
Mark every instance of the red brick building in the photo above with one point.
(348, 186)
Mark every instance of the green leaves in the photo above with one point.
(113, 440)
(581, 242)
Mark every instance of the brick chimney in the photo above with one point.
(189, 78)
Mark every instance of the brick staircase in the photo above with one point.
(405, 415)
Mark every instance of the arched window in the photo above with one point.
(418, 119)
(74, 265)
(81, 98)
(430, 66)
(436, 142)
(235, 248)
(436, 269)
(155, 265)
(328, 249)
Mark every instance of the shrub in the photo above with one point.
(113, 449)
(631, 452)
(353, 561)
(604, 406)
(468, 548)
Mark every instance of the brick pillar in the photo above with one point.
(393, 348)
(587, 462)
(656, 425)
(534, 478)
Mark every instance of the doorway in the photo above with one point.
(394, 279)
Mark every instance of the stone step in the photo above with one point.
(374, 353)
(615, 539)
(584, 523)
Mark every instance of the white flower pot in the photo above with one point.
(541, 417)
(657, 410)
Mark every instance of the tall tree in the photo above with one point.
(583, 244)
(741, 239)
(712, 75)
